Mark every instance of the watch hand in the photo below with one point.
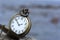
(17, 22)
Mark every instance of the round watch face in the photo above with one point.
(19, 24)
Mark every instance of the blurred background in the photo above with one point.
(44, 14)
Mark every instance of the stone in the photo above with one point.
(5, 37)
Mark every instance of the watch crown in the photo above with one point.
(24, 12)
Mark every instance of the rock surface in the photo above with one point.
(3, 36)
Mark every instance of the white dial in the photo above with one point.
(19, 24)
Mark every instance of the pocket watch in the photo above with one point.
(19, 25)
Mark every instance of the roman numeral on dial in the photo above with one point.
(12, 25)
(19, 31)
(15, 30)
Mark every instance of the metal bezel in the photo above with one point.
(27, 29)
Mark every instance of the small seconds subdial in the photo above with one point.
(19, 24)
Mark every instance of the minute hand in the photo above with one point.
(17, 22)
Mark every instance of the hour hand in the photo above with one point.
(20, 24)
